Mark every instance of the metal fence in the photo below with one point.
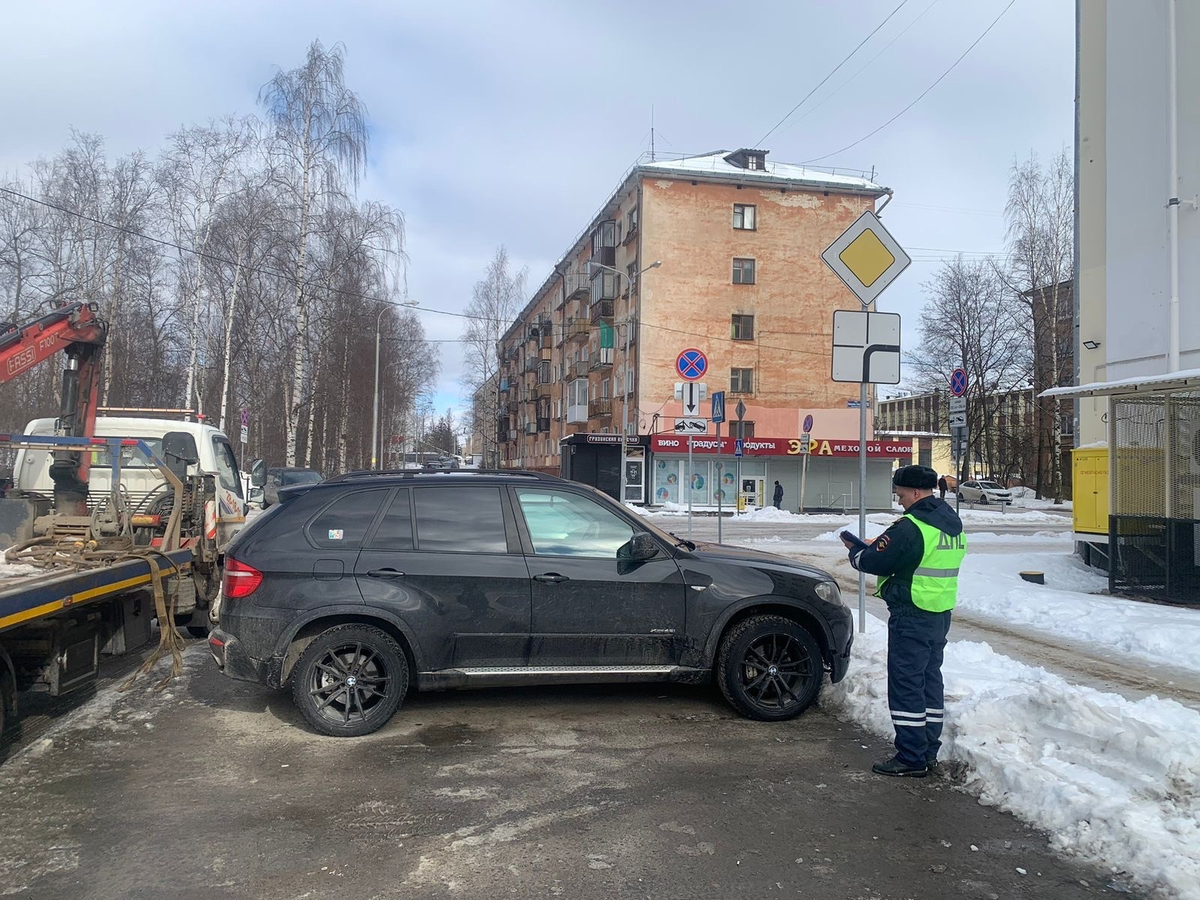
(1154, 530)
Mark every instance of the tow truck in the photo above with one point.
(87, 575)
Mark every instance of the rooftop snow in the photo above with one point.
(1183, 379)
(715, 164)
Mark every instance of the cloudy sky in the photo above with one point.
(511, 122)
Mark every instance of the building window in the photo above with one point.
(741, 381)
(631, 221)
(743, 429)
(743, 217)
(743, 271)
(753, 161)
(604, 237)
(742, 328)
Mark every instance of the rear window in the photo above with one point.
(302, 478)
(344, 525)
(460, 520)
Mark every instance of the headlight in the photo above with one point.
(828, 591)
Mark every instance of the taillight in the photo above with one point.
(239, 580)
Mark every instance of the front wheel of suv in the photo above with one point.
(769, 668)
(350, 680)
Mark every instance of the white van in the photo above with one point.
(223, 518)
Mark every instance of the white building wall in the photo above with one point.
(1137, 184)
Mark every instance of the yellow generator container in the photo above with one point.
(1089, 467)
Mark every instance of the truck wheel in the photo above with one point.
(769, 668)
(350, 680)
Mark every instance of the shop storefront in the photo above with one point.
(595, 459)
(831, 481)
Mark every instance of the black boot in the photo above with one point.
(894, 767)
(931, 765)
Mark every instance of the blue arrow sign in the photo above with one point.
(718, 407)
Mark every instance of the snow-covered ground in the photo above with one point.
(1112, 780)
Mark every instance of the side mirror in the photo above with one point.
(642, 547)
(179, 452)
(258, 472)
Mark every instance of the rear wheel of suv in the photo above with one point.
(350, 680)
(769, 668)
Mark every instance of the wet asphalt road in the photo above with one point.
(217, 790)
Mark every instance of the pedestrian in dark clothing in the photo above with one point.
(778, 495)
(942, 488)
(917, 560)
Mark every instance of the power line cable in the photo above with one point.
(919, 96)
(837, 89)
(762, 139)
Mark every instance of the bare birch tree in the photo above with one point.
(320, 141)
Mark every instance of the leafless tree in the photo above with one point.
(496, 300)
(320, 143)
(970, 321)
(1040, 218)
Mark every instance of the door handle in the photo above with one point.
(551, 578)
(384, 573)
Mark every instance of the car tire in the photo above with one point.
(350, 680)
(769, 668)
(983, 500)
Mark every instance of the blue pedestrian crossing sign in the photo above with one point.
(738, 447)
(718, 407)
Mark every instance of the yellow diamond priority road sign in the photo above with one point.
(866, 257)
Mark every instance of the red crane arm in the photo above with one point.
(23, 347)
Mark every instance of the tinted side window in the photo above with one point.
(460, 520)
(395, 529)
(344, 524)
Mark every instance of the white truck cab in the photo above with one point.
(31, 474)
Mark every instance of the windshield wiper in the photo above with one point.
(682, 542)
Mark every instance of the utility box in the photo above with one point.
(1089, 468)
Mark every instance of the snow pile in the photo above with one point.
(1114, 781)
(769, 514)
(1067, 606)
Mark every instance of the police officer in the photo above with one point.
(917, 561)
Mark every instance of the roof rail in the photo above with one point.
(439, 473)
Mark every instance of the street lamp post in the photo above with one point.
(631, 281)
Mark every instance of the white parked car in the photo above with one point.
(984, 492)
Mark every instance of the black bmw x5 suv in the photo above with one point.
(362, 588)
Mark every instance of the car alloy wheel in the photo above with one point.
(350, 680)
(770, 668)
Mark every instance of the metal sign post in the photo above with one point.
(718, 416)
(958, 427)
(805, 441)
(737, 452)
(866, 345)
(691, 475)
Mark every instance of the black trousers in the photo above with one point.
(916, 643)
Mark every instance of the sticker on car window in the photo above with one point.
(336, 534)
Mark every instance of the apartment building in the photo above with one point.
(737, 242)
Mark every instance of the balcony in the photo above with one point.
(577, 414)
(600, 408)
(504, 385)
(531, 364)
(578, 284)
(602, 310)
(511, 406)
(602, 360)
(543, 424)
(578, 328)
(531, 428)
(578, 369)
(545, 390)
(512, 435)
